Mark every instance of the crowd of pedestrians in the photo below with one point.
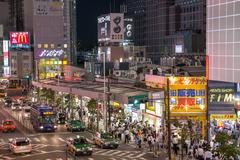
(146, 136)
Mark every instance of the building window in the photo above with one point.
(52, 45)
(39, 45)
(65, 45)
(45, 45)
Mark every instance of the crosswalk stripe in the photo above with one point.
(90, 159)
(140, 155)
(37, 139)
(44, 139)
(108, 152)
(61, 139)
(116, 152)
(59, 159)
(99, 151)
(123, 154)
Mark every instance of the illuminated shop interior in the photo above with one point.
(49, 68)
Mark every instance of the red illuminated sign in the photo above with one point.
(19, 38)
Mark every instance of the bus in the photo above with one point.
(43, 118)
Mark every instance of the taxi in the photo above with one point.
(79, 146)
(20, 145)
(105, 140)
(75, 125)
(7, 126)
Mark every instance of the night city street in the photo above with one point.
(52, 146)
(120, 80)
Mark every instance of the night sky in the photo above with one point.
(87, 13)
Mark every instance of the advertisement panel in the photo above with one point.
(155, 81)
(178, 48)
(223, 116)
(49, 53)
(48, 7)
(221, 96)
(104, 28)
(5, 52)
(117, 27)
(19, 40)
(187, 94)
(128, 29)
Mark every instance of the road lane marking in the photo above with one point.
(61, 139)
(108, 152)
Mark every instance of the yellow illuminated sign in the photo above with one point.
(47, 113)
(223, 116)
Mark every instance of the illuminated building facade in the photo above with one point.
(223, 40)
(52, 31)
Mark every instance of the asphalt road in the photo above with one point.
(51, 146)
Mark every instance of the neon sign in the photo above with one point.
(19, 39)
(49, 53)
(221, 95)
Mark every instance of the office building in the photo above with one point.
(170, 27)
(136, 9)
(54, 32)
(223, 40)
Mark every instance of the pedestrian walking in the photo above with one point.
(150, 141)
(200, 153)
(127, 136)
(208, 155)
(175, 144)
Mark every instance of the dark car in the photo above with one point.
(75, 125)
(79, 146)
(7, 102)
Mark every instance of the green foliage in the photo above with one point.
(47, 94)
(92, 106)
(226, 150)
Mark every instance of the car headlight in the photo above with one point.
(89, 148)
(41, 127)
(5, 103)
(55, 126)
(107, 143)
(79, 149)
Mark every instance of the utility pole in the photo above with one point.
(108, 101)
(169, 124)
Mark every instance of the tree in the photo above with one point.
(92, 106)
(92, 109)
(48, 95)
(225, 149)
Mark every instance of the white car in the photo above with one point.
(26, 112)
(16, 107)
(20, 145)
